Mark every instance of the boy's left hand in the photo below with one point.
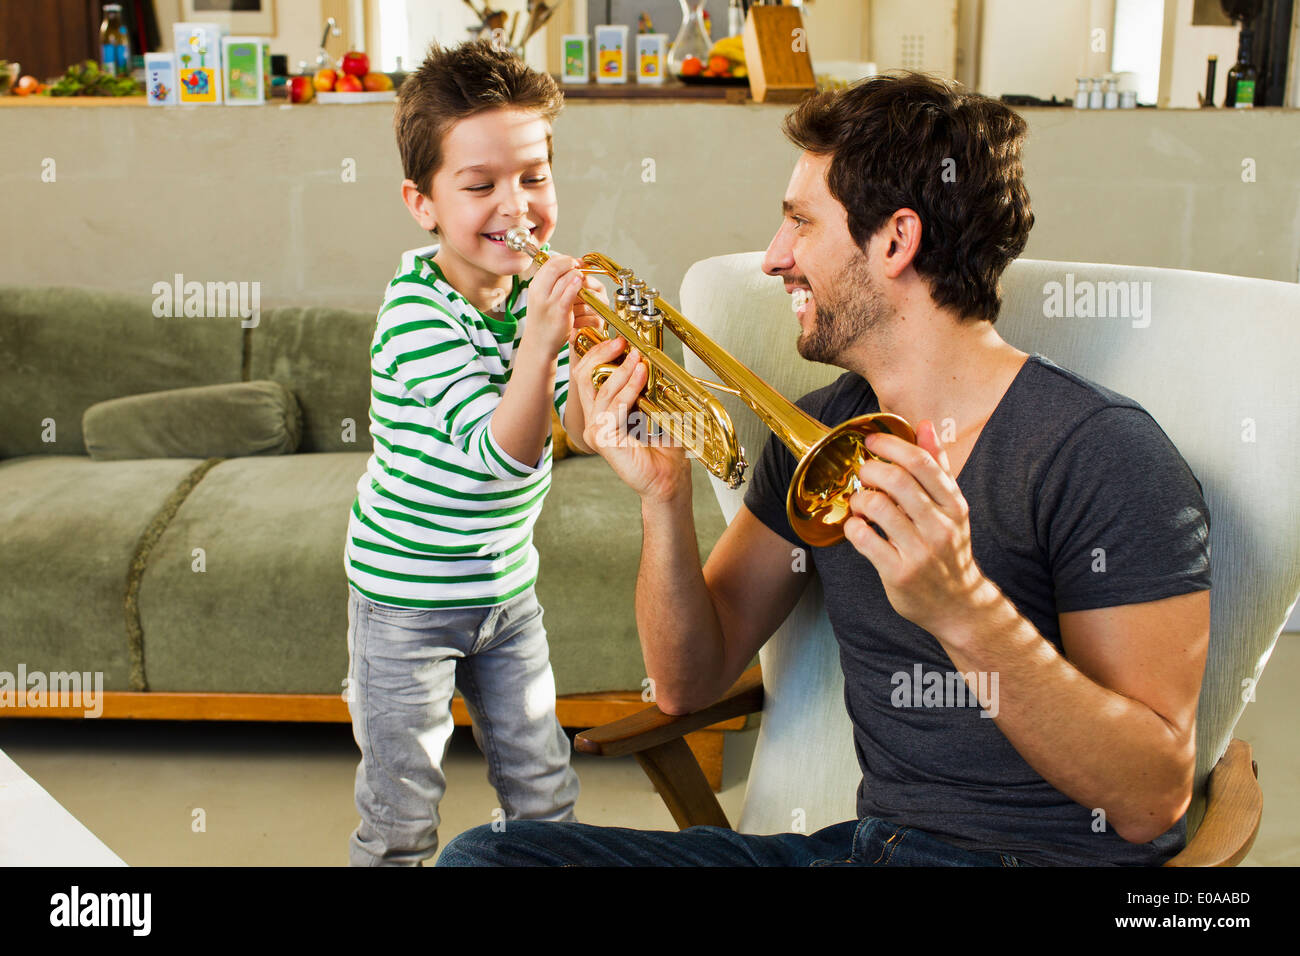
(584, 316)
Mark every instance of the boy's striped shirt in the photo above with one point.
(443, 516)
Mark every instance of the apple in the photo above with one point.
(324, 81)
(301, 89)
(377, 82)
(356, 64)
(347, 83)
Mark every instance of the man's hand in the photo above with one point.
(658, 473)
(551, 310)
(925, 564)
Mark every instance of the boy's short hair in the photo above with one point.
(915, 141)
(454, 83)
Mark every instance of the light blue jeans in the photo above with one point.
(403, 665)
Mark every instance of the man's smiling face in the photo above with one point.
(835, 299)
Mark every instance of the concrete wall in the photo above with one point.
(262, 193)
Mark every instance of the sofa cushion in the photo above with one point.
(324, 356)
(64, 349)
(268, 612)
(68, 532)
(210, 421)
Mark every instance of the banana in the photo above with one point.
(733, 48)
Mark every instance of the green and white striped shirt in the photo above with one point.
(443, 516)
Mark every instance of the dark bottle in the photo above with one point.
(1242, 76)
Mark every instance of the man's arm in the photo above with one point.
(699, 629)
(1112, 724)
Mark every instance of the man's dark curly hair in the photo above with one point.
(454, 83)
(913, 141)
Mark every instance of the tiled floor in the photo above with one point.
(282, 793)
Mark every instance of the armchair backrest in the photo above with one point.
(1209, 356)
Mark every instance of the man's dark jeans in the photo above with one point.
(866, 842)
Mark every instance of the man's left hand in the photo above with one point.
(925, 563)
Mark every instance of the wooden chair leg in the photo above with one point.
(674, 772)
(707, 745)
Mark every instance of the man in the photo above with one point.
(1053, 547)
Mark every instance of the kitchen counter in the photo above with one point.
(305, 199)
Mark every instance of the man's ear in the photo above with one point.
(900, 241)
(420, 205)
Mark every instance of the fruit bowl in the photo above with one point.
(701, 80)
(381, 96)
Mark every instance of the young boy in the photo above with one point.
(439, 557)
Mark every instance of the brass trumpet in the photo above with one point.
(677, 402)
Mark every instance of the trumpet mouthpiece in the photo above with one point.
(518, 240)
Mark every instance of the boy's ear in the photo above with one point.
(420, 206)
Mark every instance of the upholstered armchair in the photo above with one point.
(1209, 356)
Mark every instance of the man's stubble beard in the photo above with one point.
(843, 315)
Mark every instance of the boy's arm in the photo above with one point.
(424, 355)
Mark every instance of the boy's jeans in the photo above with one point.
(403, 666)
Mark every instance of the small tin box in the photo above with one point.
(160, 79)
(611, 54)
(577, 58)
(651, 57)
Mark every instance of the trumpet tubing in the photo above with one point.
(825, 477)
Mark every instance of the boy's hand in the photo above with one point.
(584, 316)
(551, 298)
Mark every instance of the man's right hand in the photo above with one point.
(657, 473)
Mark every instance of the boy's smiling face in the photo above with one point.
(494, 176)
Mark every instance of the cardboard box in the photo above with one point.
(577, 58)
(160, 79)
(198, 61)
(246, 70)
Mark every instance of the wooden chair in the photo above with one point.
(1205, 354)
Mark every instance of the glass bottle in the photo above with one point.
(1081, 93)
(692, 39)
(1110, 94)
(735, 18)
(115, 48)
(1242, 76)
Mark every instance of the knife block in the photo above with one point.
(776, 55)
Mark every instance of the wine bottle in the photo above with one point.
(1242, 76)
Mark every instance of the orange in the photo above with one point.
(720, 65)
(692, 66)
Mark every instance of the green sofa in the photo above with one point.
(189, 576)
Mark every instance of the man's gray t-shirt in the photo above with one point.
(1078, 500)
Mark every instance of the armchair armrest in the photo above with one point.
(652, 727)
(1234, 805)
(656, 739)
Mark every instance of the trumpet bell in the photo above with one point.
(817, 503)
